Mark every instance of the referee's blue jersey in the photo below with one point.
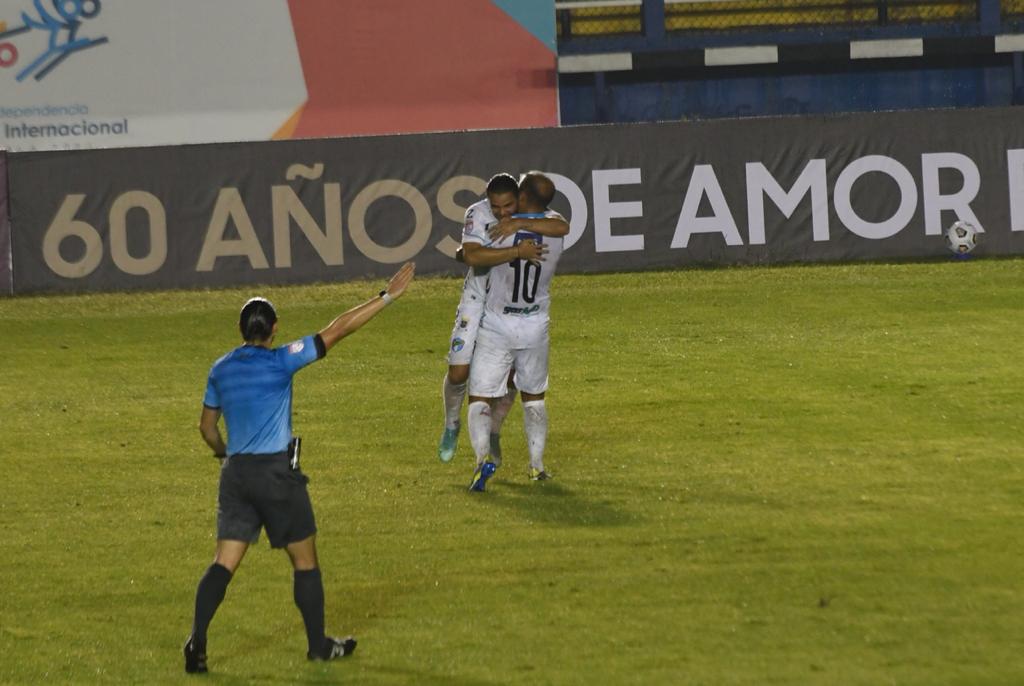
(252, 387)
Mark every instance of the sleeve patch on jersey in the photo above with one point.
(296, 347)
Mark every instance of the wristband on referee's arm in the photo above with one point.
(386, 297)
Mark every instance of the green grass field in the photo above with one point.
(791, 475)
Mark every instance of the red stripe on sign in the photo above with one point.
(392, 66)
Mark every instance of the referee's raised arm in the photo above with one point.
(352, 320)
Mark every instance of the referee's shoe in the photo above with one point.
(195, 658)
(335, 648)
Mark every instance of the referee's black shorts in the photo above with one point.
(263, 491)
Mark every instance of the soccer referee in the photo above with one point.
(261, 484)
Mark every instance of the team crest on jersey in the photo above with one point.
(464, 323)
(458, 344)
(296, 347)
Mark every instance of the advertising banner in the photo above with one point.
(6, 284)
(93, 73)
(639, 196)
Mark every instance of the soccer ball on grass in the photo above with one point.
(961, 238)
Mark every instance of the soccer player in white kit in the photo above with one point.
(514, 333)
(500, 203)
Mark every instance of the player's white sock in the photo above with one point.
(453, 395)
(535, 423)
(479, 418)
(501, 409)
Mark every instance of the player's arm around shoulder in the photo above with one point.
(553, 225)
(476, 255)
(351, 321)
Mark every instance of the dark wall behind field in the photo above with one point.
(638, 196)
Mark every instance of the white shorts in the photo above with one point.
(464, 333)
(504, 343)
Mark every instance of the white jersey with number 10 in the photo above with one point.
(520, 288)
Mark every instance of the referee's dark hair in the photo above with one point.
(538, 188)
(502, 183)
(257, 319)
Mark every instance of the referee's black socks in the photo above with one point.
(209, 595)
(309, 597)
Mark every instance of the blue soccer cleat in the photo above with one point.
(449, 442)
(481, 475)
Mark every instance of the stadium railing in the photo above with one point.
(599, 17)
(1012, 9)
(594, 25)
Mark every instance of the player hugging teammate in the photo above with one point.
(512, 243)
